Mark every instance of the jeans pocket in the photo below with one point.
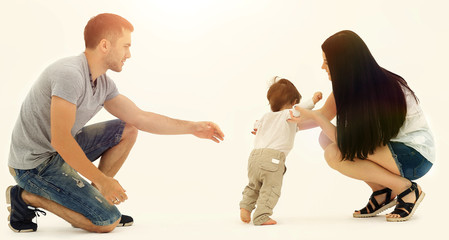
(21, 175)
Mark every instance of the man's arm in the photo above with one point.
(63, 115)
(124, 109)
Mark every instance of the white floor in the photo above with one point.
(312, 206)
(226, 226)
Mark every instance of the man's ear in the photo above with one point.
(104, 45)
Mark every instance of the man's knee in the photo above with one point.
(332, 155)
(130, 133)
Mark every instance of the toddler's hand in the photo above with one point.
(256, 126)
(317, 97)
(254, 131)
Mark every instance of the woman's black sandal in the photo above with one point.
(373, 207)
(406, 210)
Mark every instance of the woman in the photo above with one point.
(381, 136)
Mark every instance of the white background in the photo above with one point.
(212, 60)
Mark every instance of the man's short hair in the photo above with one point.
(105, 26)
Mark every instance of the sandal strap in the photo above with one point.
(382, 191)
(387, 193)
(403, 209)
(412, 188)
(369, 207)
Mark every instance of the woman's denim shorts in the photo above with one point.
(412, 165)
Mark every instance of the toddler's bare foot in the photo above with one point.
(245, 215)
(270, 222)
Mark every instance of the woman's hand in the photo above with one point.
(324, 123)
(304, 115)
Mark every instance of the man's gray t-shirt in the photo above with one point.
(68, 78)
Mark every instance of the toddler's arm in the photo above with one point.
(308, 104)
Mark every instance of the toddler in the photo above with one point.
(274, 140)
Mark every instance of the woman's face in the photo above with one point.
(325, 66)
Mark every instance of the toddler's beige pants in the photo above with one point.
(266, 169)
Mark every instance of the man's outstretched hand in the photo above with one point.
(208, 130)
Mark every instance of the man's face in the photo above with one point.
(119, 52)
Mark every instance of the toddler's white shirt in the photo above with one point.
(273, 130)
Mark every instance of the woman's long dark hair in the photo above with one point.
(371, 105)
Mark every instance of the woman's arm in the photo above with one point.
(325, 124)
(329, 111)
(319, 119)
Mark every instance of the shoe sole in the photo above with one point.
(421, 197)
(125, 224)
(8, 195)
(375, 213)
(8, 201)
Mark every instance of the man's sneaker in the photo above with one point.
(125, 221)
(21, 214)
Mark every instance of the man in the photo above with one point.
(50, 146)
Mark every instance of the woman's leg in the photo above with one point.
(325, 141)
(378, 171)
